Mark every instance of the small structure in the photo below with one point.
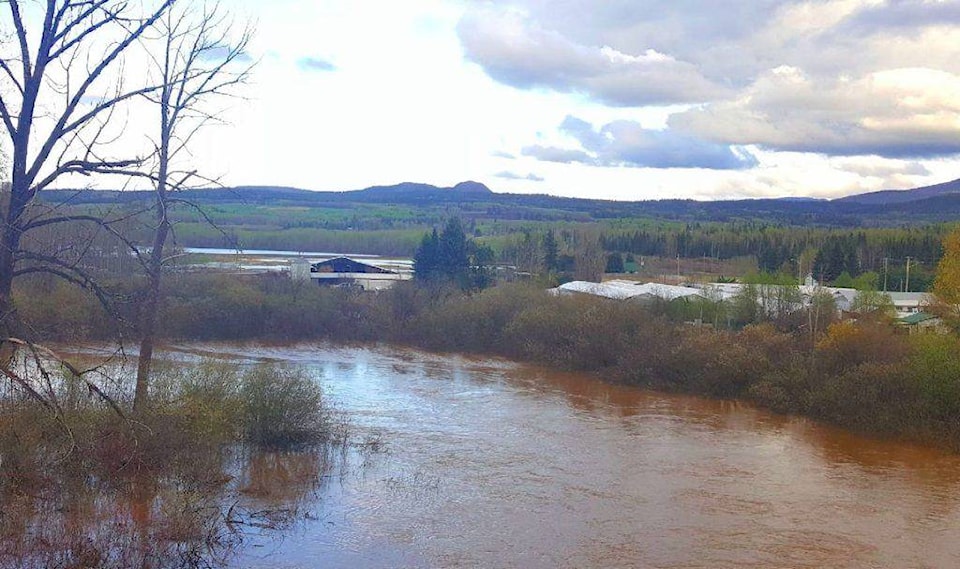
(300, 269)
(342, 271)
(907, 303)
(923, 322)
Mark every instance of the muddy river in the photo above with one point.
(491, 464)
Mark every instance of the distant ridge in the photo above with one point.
(409, 191)
(886, 197)
(937, 203)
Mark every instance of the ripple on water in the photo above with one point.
(494, 464)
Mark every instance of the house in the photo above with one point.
(907, 303)
(343, 271)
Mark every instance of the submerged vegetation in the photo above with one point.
(173, 487)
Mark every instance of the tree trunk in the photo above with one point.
(151, 305)
(149, 314)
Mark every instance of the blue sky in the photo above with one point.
(621, 99)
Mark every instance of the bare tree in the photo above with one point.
(589, 259)
(200, 61)
(62, 89)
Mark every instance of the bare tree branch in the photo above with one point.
(76, 372)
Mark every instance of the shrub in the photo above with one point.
(88, 488)
(849, 344)
(282, 407)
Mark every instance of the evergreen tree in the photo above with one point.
(454, 259)
(448, 256)
(551, 252)
(615, 263)
(426, 261)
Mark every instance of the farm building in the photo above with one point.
(343, 271)
(907, 303)
(624, 290)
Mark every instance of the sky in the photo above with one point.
(619, 99)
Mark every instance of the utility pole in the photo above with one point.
(678, 268)
(885, 260)
(907, 287)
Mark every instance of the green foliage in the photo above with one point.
(844, 280)
(836, 256)
(550, 251)
(426, 261)
(614, 264)
(935, 364)
(765, 278)
(874, 302)
(282, 407)
(868, 281)
(946, 288)
(449, 257)
(178, 467)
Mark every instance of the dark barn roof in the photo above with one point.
(345, 265)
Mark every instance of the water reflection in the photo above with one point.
(150, 522)
(495, 464)
(492, 464)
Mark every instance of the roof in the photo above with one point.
(622, 290)
(917, 318)
(909, 298)
(345, 265)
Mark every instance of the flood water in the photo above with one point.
(493, 464)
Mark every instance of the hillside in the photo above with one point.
(475, 200)
(888, 197)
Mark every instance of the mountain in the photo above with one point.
(418, 193)
(887, 197)
(476, 201)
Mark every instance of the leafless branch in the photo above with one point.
(38, 351)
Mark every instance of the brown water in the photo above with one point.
(492, 464)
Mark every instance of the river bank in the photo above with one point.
(865, 376)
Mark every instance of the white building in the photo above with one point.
(907, 303)
(628, 290)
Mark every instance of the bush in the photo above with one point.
(87, 488)
(282, 407)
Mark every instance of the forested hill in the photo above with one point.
(951, 188)
(924, 205)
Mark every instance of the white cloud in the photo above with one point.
(893, 113)
(518, 52)
(819, 97)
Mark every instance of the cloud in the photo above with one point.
(315, 64)
(902, 15)
(835, 77)
(503, 154)
(518, 52)
(901, 113)
(220, 53)
(727, 45)
(881, 168)
(506, 175)
(557, 154)
(627, 143)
